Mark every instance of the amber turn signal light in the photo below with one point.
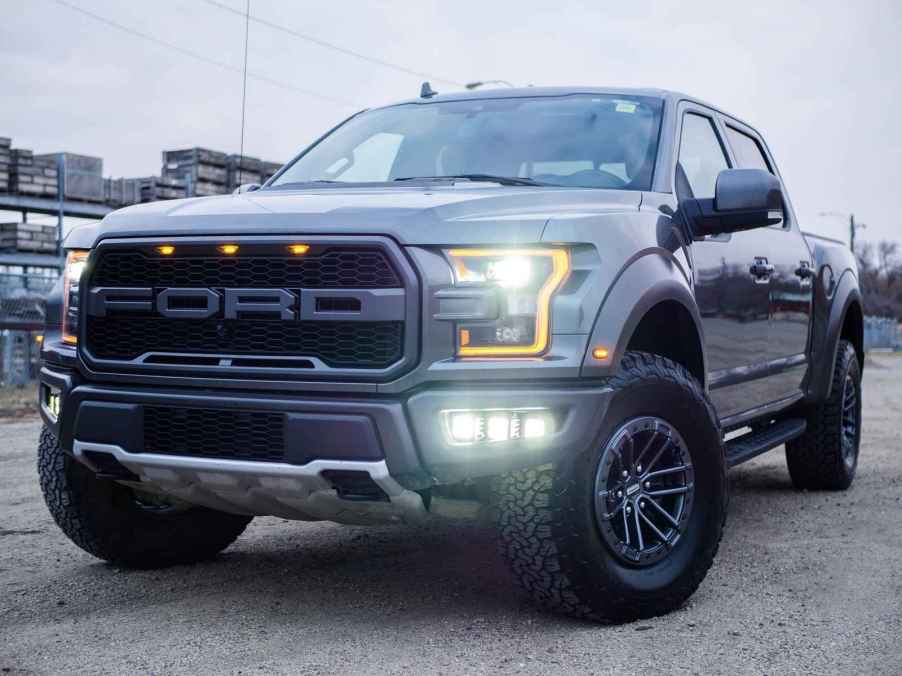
(166, 250)
(229, 249)
(299, 249)
(601, 353)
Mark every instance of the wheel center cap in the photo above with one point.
(633, 489)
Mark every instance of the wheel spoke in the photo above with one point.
(662, 472)
(664, 513)
(648, 444)
(667, 441)
(654, 528)
(638, 528)
(680, 490)
(628, 464)
(626, 527)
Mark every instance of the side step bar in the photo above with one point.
(756, 442)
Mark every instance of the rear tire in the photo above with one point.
(109, 521)
(826, 456)
(557, 541)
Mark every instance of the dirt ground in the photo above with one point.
(804, 583)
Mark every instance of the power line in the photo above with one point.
(205, 59)
(337, 48)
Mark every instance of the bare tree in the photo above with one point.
(880, 278)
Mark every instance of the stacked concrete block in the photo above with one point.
(244, 169)
(32, 176)
(83, 175)
(124, 191)
(268, 169)
(5, 162)
(204, 171)
(31, 237)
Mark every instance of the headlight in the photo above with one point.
(526, 280)
(76, 262)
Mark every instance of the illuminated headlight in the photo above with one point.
(464, 427)
(526, 280)
(76, 262)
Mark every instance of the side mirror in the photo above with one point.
(744, 199)
(246, 187)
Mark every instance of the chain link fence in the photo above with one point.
(22, 312)
(881, 333)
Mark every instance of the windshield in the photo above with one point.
(586, 141)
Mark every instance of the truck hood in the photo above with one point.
(435, 215)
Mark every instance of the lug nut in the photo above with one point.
(629, 510)
(639, 468)
(641, 505)
(619, 494)
(648, 484)
(625, 473)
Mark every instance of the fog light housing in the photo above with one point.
(51, 402)
(464, 427)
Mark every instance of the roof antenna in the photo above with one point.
(426, 91)
(247, 24)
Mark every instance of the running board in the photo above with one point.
(756, 442)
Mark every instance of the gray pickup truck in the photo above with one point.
(573, 308)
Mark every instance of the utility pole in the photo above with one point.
(854, 226)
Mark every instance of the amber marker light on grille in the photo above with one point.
(601, 353)
(229, 249)
(166, 250)
(299, 249)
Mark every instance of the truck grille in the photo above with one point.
(339, 321)
(352, 269)
(338, 344)
(212, 433)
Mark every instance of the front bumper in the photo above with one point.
(399, 441)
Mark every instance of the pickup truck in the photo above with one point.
(573, 308)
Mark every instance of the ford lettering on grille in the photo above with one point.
(184, 303)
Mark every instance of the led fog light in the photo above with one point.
(52, 402)
(463, 427)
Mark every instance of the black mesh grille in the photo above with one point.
(338, 344)
(210, 433)
(352, 269)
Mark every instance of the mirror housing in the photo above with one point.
(744, 199)
(246, 187)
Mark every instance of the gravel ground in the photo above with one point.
(804, 582)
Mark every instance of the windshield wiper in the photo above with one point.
(502, 180)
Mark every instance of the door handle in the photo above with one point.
(804, 271)
(761, 270)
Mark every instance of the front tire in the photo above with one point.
(575, 552)
(111, 522)
(826, 456)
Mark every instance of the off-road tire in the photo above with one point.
(104, 518)
(548, 532)
(816, 460)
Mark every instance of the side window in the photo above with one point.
(701, 155)
(747, 151)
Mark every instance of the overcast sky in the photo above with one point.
(821, 80)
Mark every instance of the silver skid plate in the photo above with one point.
(265, 488)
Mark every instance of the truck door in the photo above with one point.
(733, 300)
(790, 281)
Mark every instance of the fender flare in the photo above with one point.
(826, 332)
(643, 283)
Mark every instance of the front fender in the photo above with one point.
(652, 278)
